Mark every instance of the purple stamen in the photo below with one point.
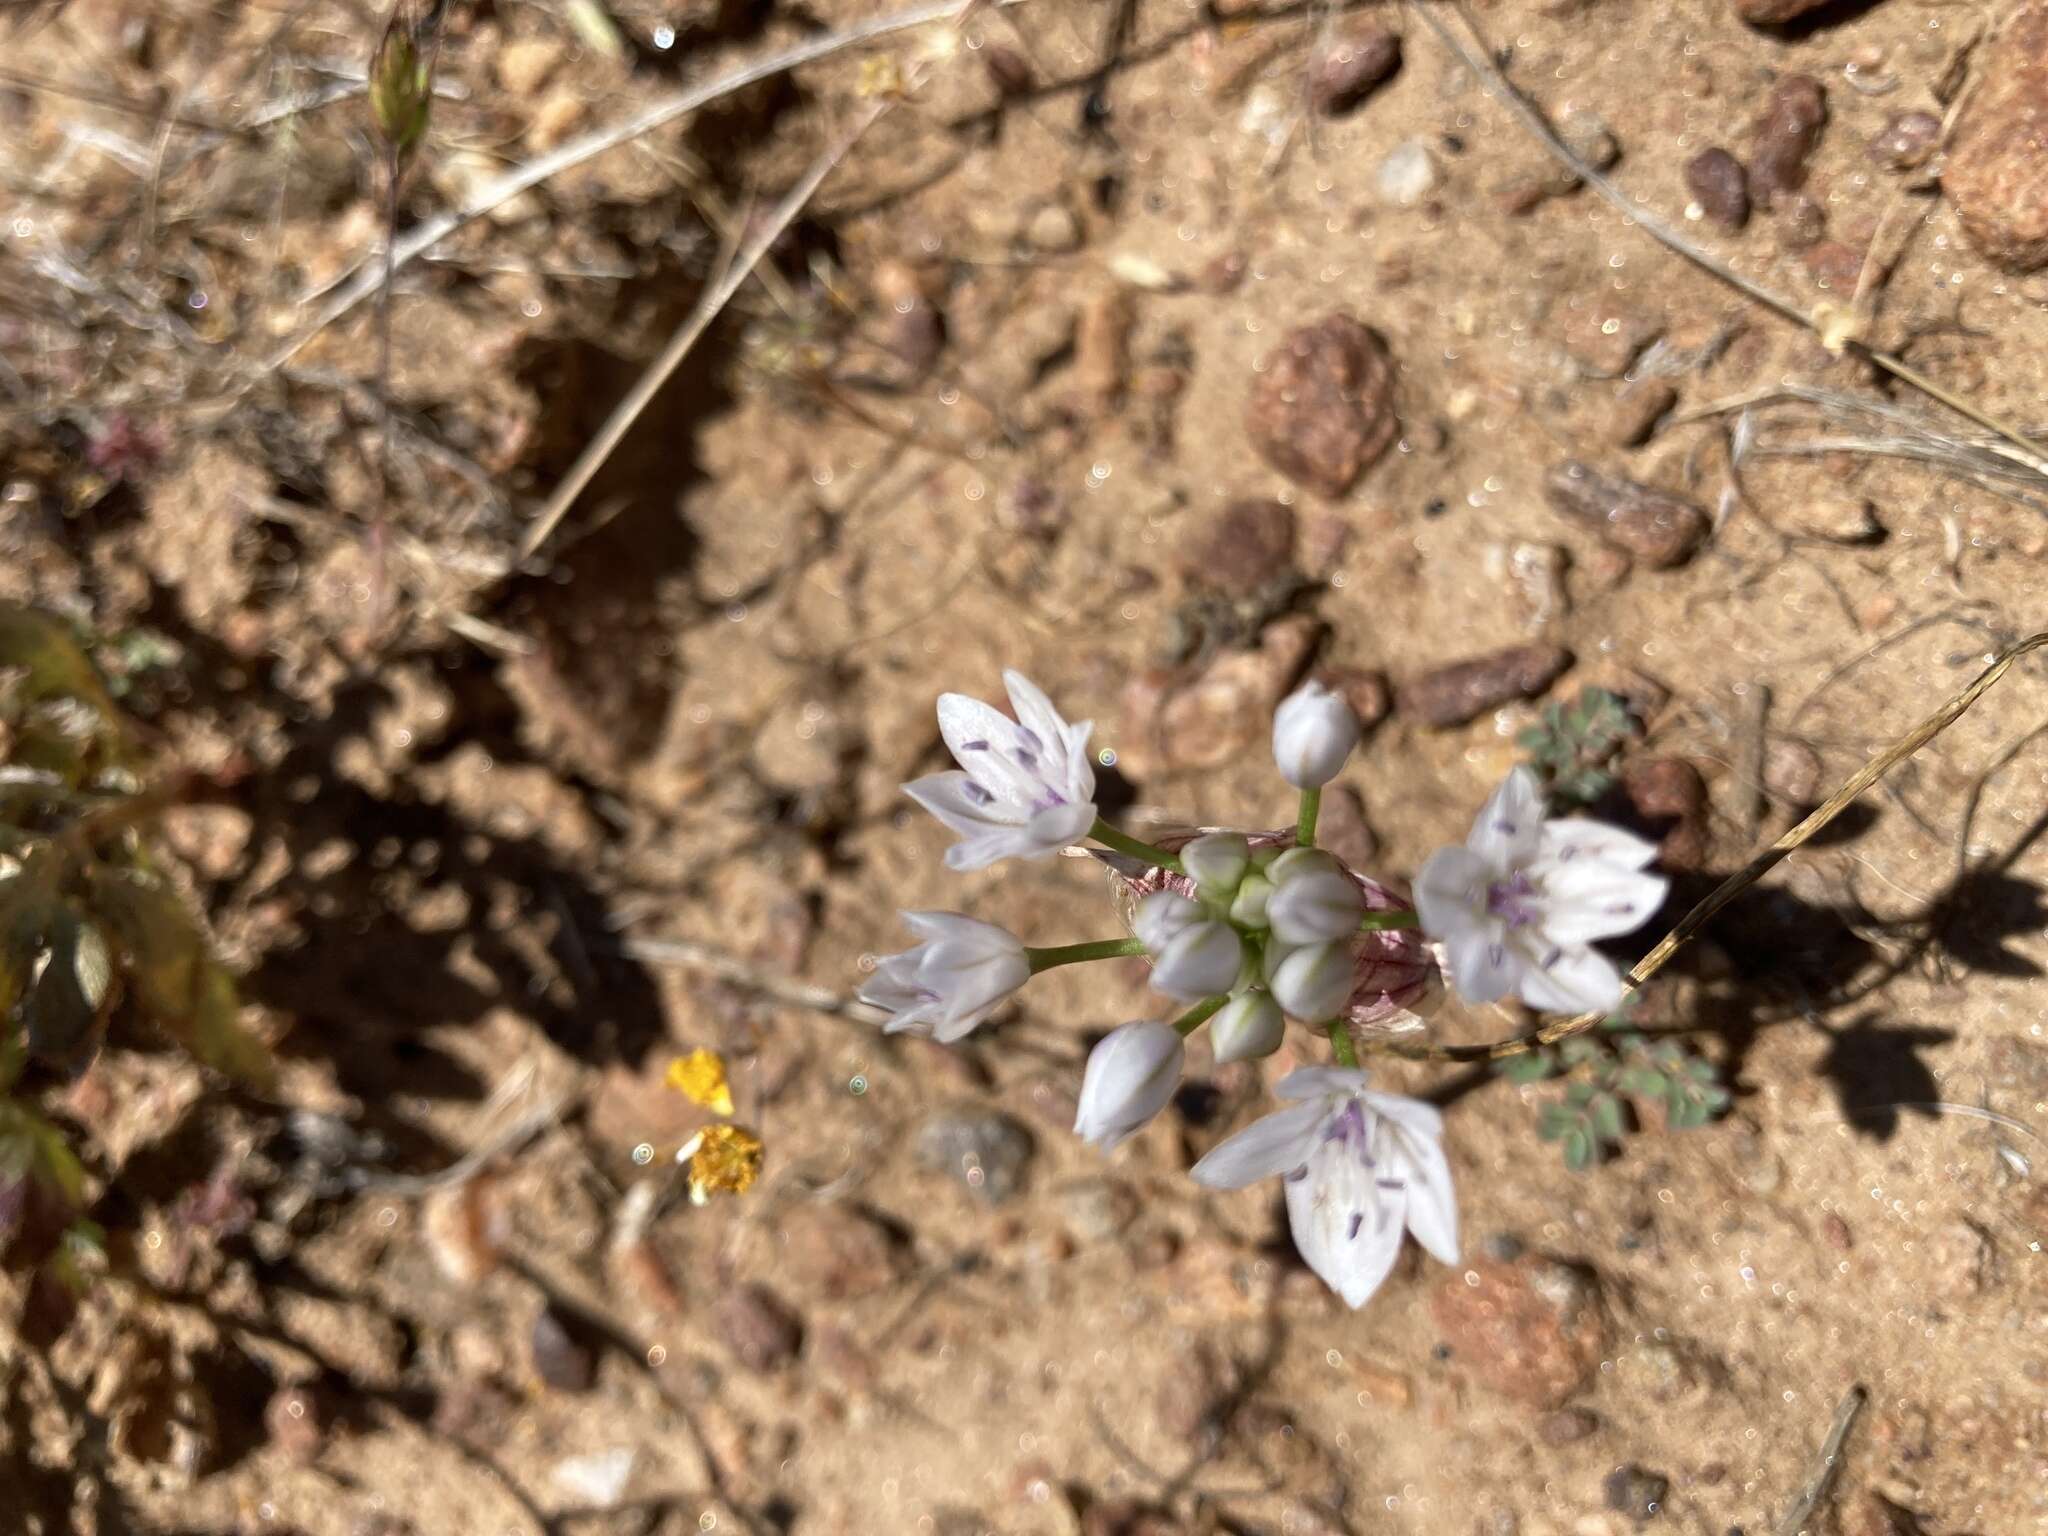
(973, 746)
(976, 793)
(1033, 742)
(1513, 900)
(1357, 1221)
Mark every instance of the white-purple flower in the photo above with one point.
(1518, 906)
(1250, 1025)
(1024, 787)
(1131, 1076)
(1314, 898)
(1360, 1169)
(955, 978)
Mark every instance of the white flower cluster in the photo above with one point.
(1252, 930)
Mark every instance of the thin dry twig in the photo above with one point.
(1831, 323)
(362, 277)
(1803, 1508)
(730, 967)
(1734, 885)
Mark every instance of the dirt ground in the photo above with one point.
(986, 405)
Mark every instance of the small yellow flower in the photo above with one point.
(700, 1078)
(723, 1159)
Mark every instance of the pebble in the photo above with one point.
(1668, 795)
(834, 1253)
(1793, 773)
(1996, 174)
(1772, 13)
(1839, 520)
(1053, 229)
(1102, 348)
(293, 1420)
(1323, 410)
(526, 64)
(1350, 65)
(1008, 70)
(1785, 137)
(1247, 548)
(1365, 689)
(1720, 186)
(1837, 1233)
(1637, 410)
(762, 1333)
(1657, 528)
(984, 1149)
(1095, 1210)
(1636, 1491)
(1466, 690)
(596, 1481)
(1906, 141)
(1538, 572)
(911, 327)
(1961, 1257)
(1567, 1426)
(557, 1358)
(1407, 175)
(1802, 223)
(1531, 1331)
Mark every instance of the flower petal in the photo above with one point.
(1582, 902)
(1450, 892)
(1573, 980)
(992, 847)
(1272, 1145)
(1318, 1082)
(1432, 1202)
(1510, 825)
(1420, 1121)
(1571, 841)
(975, 732)
(960, 802)
(1483, 966)
(1061, 826)
(1344, 1229)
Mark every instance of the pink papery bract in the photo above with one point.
(1397, 983)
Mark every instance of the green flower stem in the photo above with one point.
(1380, 922)
(1072, 954)
(1198, 1015)
(1311, 807)
(1340, 1042)
(1123, 842)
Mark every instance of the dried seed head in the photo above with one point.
(402, 75)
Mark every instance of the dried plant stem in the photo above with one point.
(1735, 884)
(573, 152)
(1828, 323)
(1799, 1517)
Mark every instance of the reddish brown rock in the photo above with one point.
(834, 1252)
(1785, 138)
(1720, 186)
(760, 1331)
(1657, 528)
(1997, 170)
(1669, 798)
(1467, 689)
(1531, 1330)
(1247, 548)
(1345, 70)
(1323, 410)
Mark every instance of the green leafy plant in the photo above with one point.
(1574, 747)
(1605, 1076)
(87, 924)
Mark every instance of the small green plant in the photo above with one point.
(1601, 1073)
(87, 924)
(1574, 748)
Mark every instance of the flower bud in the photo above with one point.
(1315, 904)
(1248, 1026)
(1313, 983)
(1200, 961)
(1131, 1076)
(1216, 862)
(1248, 906)
(1160, 916)
(401, 77)
(1314, 731)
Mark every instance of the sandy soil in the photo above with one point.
(986, 408)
